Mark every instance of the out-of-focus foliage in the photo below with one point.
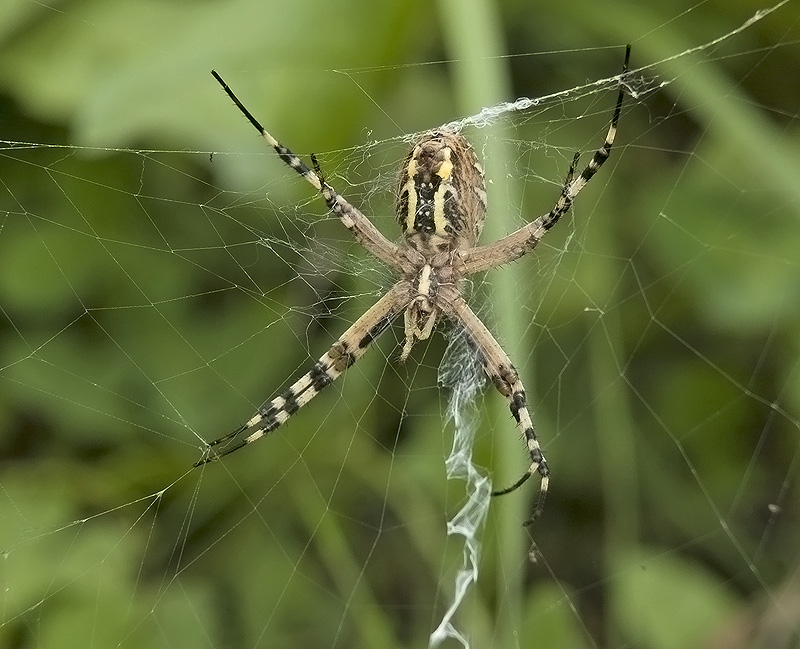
(152, 295)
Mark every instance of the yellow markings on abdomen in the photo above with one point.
(440, 221)
(411, 190)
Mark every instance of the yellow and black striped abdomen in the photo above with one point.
(441, 200)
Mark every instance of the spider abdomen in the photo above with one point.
(441, 200)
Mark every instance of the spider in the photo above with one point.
(440, 207)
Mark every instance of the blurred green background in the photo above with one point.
(162, 274)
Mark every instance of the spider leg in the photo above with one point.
(521, 242)
(353, 219)
(343, 353)
(499, 369)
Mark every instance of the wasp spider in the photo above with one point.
(440, 207)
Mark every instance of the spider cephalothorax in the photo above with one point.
(441, 206)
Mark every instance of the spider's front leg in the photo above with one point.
(352, 344)
(498, 367)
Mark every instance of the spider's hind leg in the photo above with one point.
(359, 225)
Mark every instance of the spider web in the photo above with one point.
(163, 275)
